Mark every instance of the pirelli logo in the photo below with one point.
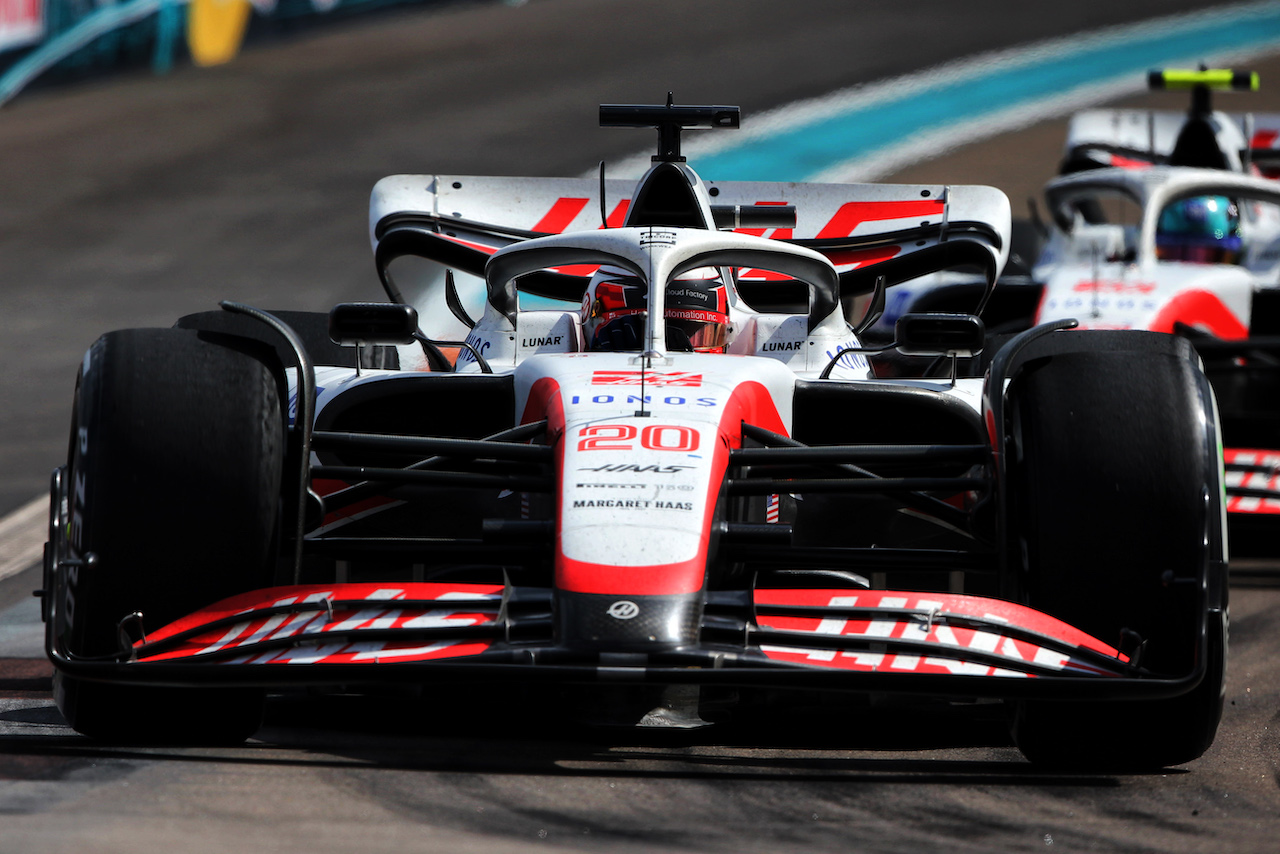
(657, 379)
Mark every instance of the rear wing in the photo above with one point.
(430, 223)
(1200, 137)
(1140, 138)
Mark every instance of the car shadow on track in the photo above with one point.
(1255, 573)
(502, 732)
(937, 743)
(964, 746)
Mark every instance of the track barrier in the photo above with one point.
(59, 40)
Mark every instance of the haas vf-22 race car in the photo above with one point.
(1194, 252)
(651, 465)
(1170, 222)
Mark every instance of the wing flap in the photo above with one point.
(887, 631)
(333, 624)
(868, 231)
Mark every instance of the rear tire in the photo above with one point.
(177, 450)
(1114, 482)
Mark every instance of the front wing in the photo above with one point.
(837, 639)
(1252, 481)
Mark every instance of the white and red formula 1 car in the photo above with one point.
(1097, 139)
(1195, 252)
(1181, 233)
(1170, 222)
(629, 447)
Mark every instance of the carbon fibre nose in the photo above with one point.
(609, 622)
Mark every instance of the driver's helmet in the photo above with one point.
(696, 309)
(1200, 229)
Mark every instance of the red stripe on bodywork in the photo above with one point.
(853, 214)
(470, 244)
(586, 271)
(619, 215)
(1200, 309)
(863, 257)
(1264, 139)
(544, 402)
(1129, 162)
(561, 214)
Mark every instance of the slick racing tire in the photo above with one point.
(173, 484)
(1116, 523)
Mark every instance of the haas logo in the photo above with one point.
(623, 609)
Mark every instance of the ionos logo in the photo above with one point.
(480, 346)
(848, 359)
(623, 609)
(669, 400)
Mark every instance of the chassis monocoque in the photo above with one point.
(248, 507)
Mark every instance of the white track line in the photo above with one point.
(931, 143)
(22, 536)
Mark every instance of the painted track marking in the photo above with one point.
(22, 536)
(866, 131)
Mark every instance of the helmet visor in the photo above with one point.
(697, 330)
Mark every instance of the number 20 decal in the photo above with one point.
(655, 437)
(606, 437)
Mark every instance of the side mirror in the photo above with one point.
(939, 335)
(355, 323)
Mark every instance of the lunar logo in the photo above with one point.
(623, 609)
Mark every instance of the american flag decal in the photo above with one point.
(652, 378)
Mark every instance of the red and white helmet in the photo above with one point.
(696, 309)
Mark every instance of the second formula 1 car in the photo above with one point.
(1194, 252)
(1169, 222)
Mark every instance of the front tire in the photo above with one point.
(176, 456)
(1114, 483)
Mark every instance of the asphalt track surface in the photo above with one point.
(131, 201)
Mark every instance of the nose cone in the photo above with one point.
(612, 623)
